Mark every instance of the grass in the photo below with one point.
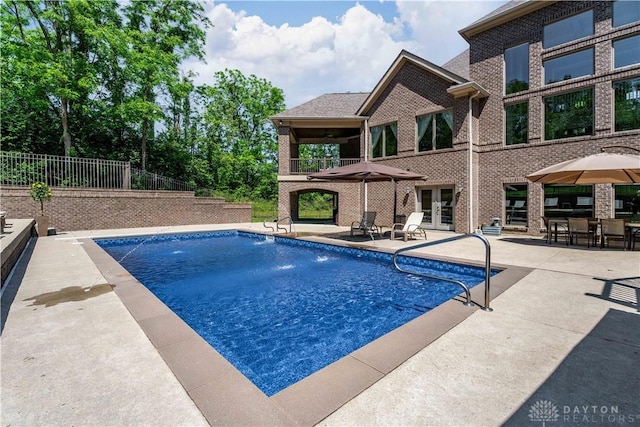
(309, 208)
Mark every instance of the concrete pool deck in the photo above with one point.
(567, 333)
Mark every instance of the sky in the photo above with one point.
(309, 48)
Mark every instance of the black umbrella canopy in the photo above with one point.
(367, 171)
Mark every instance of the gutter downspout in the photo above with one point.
(366, 151)
(470, 193)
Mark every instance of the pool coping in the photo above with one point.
(225, 396)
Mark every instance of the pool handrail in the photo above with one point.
(487, 266)
(278, 227)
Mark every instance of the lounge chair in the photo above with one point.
(367, 224)
(411, 228)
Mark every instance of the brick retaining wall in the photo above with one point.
(93, 209)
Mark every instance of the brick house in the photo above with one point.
(542, 82)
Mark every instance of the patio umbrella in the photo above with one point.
(602, 168)
(368, 172)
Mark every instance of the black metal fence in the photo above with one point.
(60, 171)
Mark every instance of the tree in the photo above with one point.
(241, 142)
(50, 46)
(162, 33)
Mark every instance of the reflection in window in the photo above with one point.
(564, 201)
(516, 204)
(568, 29)
(625, 12)
(627, 104)
(569, 66)
(517, 123)
(568, 115)
(516, 64)
(626, 51)
(627, 201)
(384, 140)
(435, 131)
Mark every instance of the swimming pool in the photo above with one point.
(281, 310)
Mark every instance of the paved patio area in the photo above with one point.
(562, 345)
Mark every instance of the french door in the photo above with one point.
(437, 203)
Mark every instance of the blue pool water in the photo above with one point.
(281, 310)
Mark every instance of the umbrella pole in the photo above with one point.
(365, 195)
(395, 200)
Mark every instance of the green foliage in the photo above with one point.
(315, 205)
(264, 210)
(40, 193)
(96, 78)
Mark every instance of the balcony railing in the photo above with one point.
(307, 166)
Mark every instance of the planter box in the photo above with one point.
(491, 230)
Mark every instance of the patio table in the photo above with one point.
(553, 222)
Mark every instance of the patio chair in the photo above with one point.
(580, 227)
(411, 228)
(367, 224)
(555, 230)
(612, 229)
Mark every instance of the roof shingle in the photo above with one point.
(459, 64)
(329, 105)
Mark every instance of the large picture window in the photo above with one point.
(627, 202)
(435, 131)
(563, 201)
(625, 12)
(516, 68)
(384, 140)
(627, 104)
(626, 51)
(517, 123)
(568, 29)
(569, 66)
(568, 115)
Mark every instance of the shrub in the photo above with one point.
(41, 193)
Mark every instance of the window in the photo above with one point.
(516, 65)
(568, 29)
(517, 122)
(435, 131)
(568, 115)
(625, 12)
(563, 201)
(569, 66)
(384, 140)
(627, 201)
(626, 51)
(516, 204)
(627, 104)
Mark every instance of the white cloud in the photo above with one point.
(320, 57)
(435, 24)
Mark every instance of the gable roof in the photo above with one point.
(327, 106)
(505, 13)
(459, 64)
(405, 57)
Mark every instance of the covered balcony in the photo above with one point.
(316, 149)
